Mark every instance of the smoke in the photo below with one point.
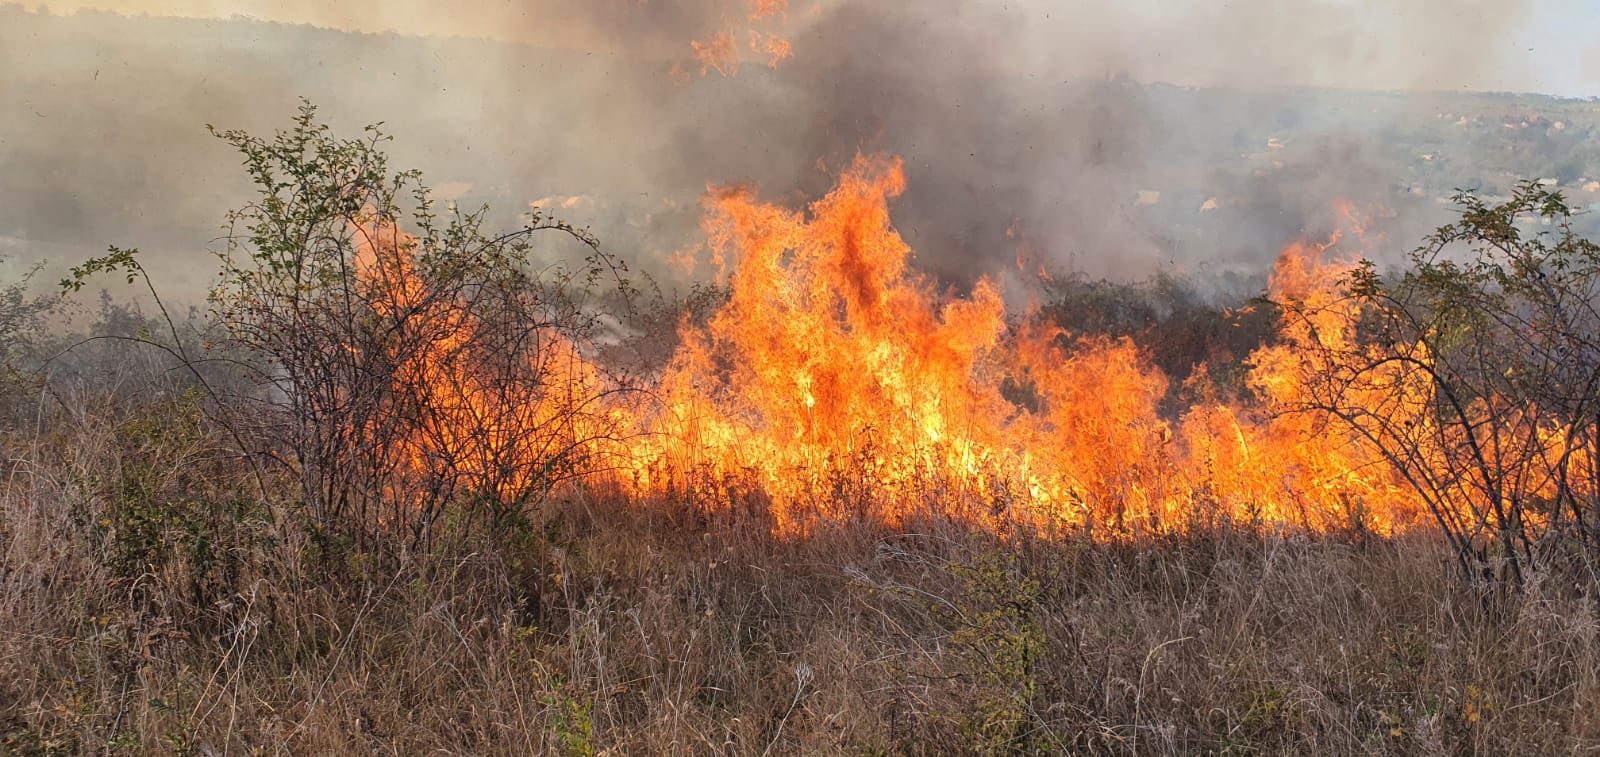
(1036, 116)
(1419, 44)
(1056, 121)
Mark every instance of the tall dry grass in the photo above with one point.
(154, 598)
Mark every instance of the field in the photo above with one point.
(406, 475)
(609, 627)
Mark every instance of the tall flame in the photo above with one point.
(837, 382)
(834, 359)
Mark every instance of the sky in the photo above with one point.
(1566, 43)
(1545, 46)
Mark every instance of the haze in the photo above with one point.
(1044, 119)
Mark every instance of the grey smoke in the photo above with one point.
(1042, 117)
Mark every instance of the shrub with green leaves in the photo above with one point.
(405, 360)
(1476, 373)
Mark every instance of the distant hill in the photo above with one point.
(102, 141)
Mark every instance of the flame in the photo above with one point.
(760, 9)
(1298, 467)
(831, 352)
(834, 359)
(777, 49)
(720, 52)
(460, 416)
(837, 382)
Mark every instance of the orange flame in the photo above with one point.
(760, 9)
(720, 53)
(777, 49)
(837, 382)
(460, 419)
(834, 358)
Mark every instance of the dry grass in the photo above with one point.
(604, 627)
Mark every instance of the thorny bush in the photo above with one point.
(409, 380)
(1476, 373)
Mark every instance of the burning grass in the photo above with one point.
(445, 373)
(833, 348)
(426, 504)
(836, 383)
(156, 597)
(605, 626)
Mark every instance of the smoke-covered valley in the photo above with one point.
(1060, 142)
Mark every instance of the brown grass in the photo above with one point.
(604, 627)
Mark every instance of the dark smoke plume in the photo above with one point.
(1077, 126)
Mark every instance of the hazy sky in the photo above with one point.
(1003, 110)
(1547, 46)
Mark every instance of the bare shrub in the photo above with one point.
(1477, 375)
(399, 373)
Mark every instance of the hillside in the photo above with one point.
(102, 141)
(982, 409)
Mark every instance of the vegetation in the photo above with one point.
(290, 522)
(1477, 373)
(384, 367)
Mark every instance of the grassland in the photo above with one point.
(154, 600)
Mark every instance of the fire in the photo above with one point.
(1300, 467)
(831, 354)
(777, 49)
(760, 9)
(720, 51)
(837, 382)
(465, 412)
(834, 359)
